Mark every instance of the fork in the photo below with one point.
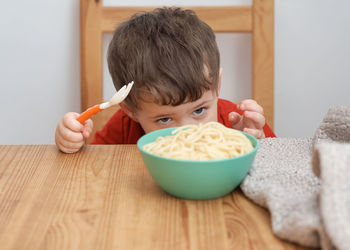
(118, 97)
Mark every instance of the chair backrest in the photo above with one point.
(258, 19)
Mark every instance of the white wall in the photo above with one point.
(312, 63)
(39, 68)
(39, 64)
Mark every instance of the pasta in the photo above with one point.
(207, 141)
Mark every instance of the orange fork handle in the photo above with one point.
(88, 113)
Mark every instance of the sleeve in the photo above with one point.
(112, 132)
(268, 131)
(225, 107)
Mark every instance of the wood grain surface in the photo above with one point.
(263, 57)
(219, 18)
(104, 198)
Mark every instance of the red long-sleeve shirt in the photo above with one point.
(121, 129)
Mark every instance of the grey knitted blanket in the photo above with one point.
(305, 184)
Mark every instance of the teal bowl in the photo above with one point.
(196, 180)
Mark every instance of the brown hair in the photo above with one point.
(169, 53)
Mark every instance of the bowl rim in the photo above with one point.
(250, 137)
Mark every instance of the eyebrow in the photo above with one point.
(161, 116)
(203, 103)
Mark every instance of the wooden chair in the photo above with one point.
(96, 20)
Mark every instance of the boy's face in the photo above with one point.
(152, 116)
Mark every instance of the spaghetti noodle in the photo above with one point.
(207, 141)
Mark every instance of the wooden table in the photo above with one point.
(104, 198)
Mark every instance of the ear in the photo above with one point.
(128, 111)
(219, 81)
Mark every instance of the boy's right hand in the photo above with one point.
(70, 134)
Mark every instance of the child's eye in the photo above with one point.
(164, 120)
(199, 111)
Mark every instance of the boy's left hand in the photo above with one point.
(252, 121)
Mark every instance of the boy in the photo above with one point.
(173, 59)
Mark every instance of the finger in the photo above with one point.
(69, 135)
(236, 120)
(70, 122)
(234, 117)
(87, 130)
(86, 133)
(256, 120)
(257, 133)
(89, 123)
(250, 105)
(68, 147)
(69, 144)
(67, 150)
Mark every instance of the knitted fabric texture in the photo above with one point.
(305, 183)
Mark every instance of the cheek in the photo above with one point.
(148, 126)
(212, 115)
(149, 129)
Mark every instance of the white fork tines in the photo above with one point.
(118, 97)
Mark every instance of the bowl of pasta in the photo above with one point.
(198, 162)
